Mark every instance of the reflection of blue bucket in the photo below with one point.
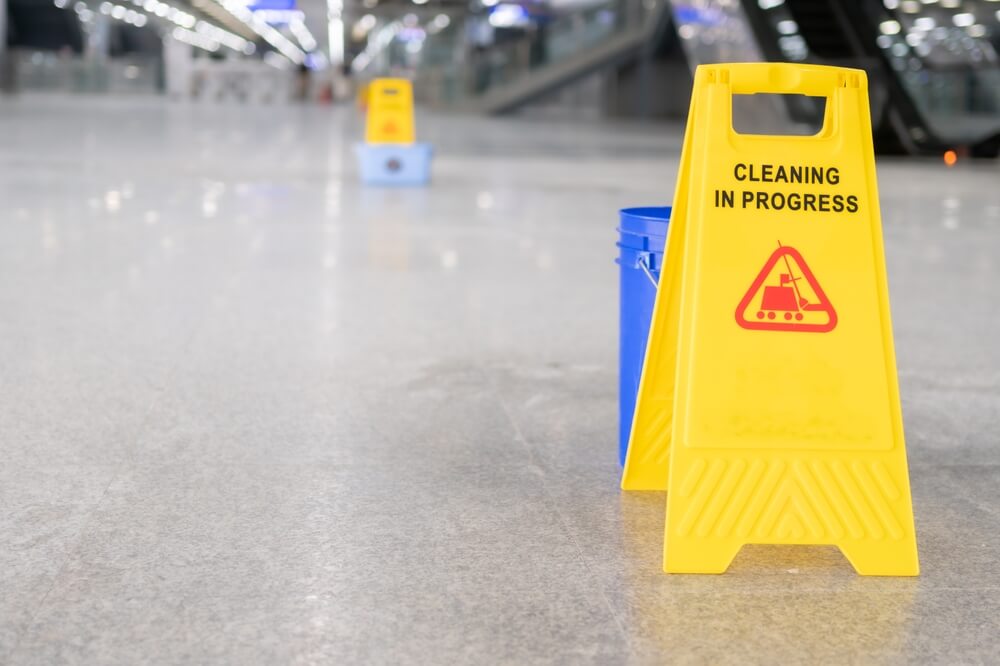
(394, 164)
(643, 232)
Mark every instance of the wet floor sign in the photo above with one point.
(390, 112)
(769, 405)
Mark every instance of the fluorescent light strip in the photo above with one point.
(194, 39)
(225, 20)
(376, 44)
(284, 45)
(301, 33)
(224, 37)
(168, 12)
(209, 32)
(204, 35)
(335, 30)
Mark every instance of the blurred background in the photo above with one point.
(933, 63)
(256, 411)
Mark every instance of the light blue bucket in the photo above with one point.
(394, 164)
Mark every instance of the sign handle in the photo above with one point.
(784, 78)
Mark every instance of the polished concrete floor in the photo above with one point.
(255, 413)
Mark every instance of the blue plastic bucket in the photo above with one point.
(394, 164)
(642, 236)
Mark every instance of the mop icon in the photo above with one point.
(786, 297)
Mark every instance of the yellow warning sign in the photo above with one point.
(390, 112)
(769, 405)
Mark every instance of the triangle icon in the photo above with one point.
(785, 296)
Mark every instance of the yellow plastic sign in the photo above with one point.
(769, 403)
(390, 112)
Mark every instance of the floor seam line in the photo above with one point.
(519, 434)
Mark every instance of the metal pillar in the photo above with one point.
(5, 83)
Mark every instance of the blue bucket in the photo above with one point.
(642, 237)
(394, 164)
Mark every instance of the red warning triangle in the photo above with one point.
(785, 296)
(389, 127)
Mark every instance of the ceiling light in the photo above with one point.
(889, 27)
(963, 20)
(788, 27)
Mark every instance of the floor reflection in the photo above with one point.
(751, 609)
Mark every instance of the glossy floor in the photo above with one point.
(255, 413)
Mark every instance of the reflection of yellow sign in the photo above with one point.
(390, 112)
(769, 401)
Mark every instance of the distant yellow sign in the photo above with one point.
(769, 405)
(390, 112)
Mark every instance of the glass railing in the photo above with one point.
(501, 45)
(52, 71)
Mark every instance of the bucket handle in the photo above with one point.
(643, 263)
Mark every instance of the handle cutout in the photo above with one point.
(764, 113)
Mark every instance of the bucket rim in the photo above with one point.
(642, 241)
(645, 234)
(658, 214)
(644, 220)
(648, 250)
(416, 147)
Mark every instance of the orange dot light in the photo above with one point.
(950, 157)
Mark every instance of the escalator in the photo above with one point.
(934, 75)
